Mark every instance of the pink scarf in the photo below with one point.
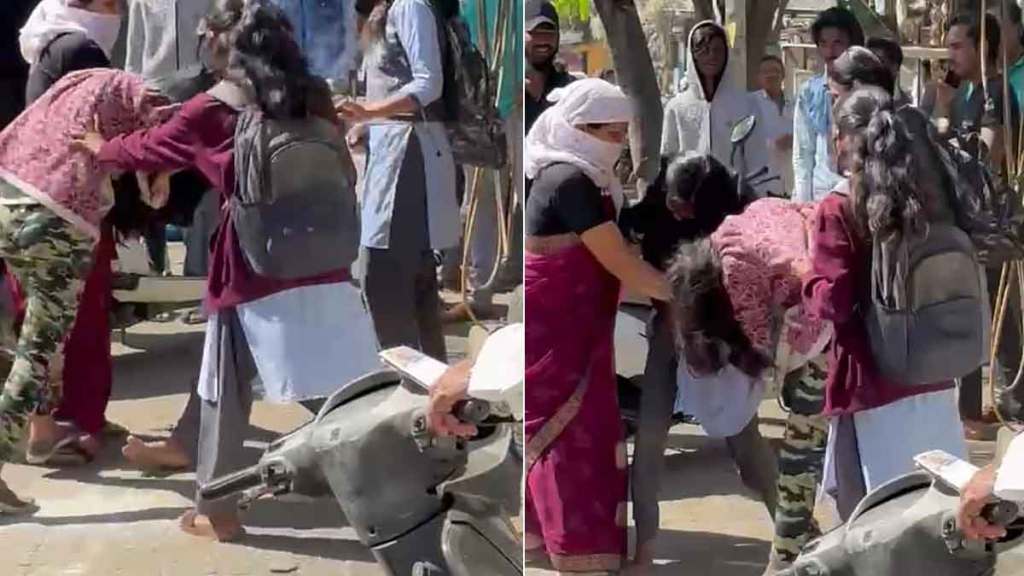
(757, 249)
(35, 149)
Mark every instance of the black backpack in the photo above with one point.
(989, 212)
(475, 129)
(294, 207)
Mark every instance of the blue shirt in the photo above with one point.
(326, 33)
(813, 177)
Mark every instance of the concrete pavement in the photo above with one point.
(106, 519)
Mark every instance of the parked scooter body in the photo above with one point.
(399, 487)
(907, 526)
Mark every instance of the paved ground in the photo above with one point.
(104, 519)
(710, 523)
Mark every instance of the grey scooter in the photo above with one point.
(401, 489)
(908, 527)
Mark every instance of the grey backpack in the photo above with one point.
(925, 316)
(294, 207)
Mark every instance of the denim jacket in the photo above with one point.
(326, 32)
(812, 164)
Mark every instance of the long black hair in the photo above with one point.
(859, 66)
(262, 53)
(890, 164)
(708, 334)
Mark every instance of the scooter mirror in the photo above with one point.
(743, 129)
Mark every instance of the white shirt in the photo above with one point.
(497, 374)
(1010, 476)
(776, 125)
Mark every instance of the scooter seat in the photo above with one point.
(890, 490)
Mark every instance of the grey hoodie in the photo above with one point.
(696, 126)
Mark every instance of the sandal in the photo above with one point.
(41, 453)
(196, 524)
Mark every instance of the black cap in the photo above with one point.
(539, 13)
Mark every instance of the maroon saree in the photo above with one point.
(575, 455)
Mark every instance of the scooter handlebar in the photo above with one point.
(1000, 513)
(232, 483)
(472, 411)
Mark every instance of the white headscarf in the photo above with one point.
(554, 138)
(51, 18)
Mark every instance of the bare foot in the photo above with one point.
(643, 561)
(91, 444)
(221, 529)
(165, 454)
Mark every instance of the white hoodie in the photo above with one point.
(51, 18)
(694, 126)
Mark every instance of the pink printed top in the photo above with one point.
(36, 155)
(759, 250)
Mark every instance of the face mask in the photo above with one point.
(602, 153)
(102, 29)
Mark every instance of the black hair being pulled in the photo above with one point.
(708, 334)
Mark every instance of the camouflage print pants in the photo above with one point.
(801, 459)
(51, 259)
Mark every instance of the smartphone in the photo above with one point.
(952, 471)
(952, 79)
(415, 365)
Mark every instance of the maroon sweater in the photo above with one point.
(834, 291)
(201, 135)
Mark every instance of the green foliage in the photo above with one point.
(573, 10)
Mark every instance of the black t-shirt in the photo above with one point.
(65, 54)
(534, 108)
(660, 233)
(563, 200)
(969, 114)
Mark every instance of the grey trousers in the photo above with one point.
(223, 423)
(752, 454)
(186, 430)
(400, 281)
(221, 429)
(401, 293)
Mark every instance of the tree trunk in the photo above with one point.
(764, 22)
(635, 72)
(707, 9)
